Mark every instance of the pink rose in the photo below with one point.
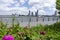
(8, 37)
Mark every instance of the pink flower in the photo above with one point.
(42, 32)
(8, 37)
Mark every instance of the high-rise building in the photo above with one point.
(36, 13)
(55, 13)
(32, 14)
(29, 13)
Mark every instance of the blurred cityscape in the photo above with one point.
(31, 19)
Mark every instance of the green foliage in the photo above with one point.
(58, 4)
(33, 33)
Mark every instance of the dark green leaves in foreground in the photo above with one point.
(58, 4)
(39, 32)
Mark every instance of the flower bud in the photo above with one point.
(42, 32)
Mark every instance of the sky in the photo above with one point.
(45, 7)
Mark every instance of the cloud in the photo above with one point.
(46, 3)
(4, 3)
(19, 9)
(15, 10)
(34, 1)
(3, 7)
(42, 12)
(17, 3)
(8, 1)
(41, 5)
(22, 1)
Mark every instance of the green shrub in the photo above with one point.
(33, 33)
